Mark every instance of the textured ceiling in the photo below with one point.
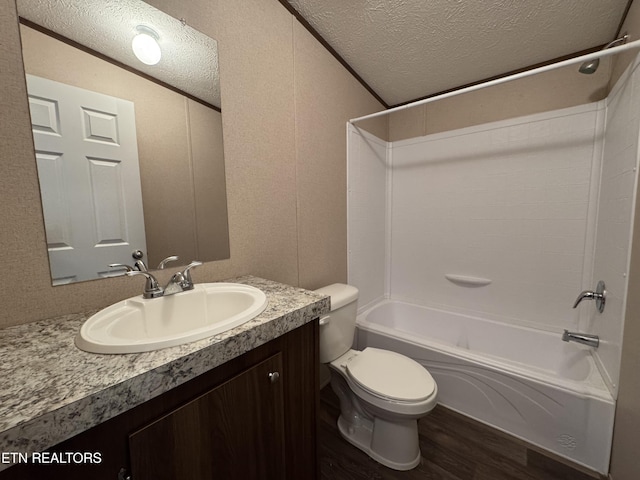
(408, 49)
(189, 58)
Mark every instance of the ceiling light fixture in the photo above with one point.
(145, 45)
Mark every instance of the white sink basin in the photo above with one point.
(139, 325)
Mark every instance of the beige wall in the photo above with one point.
(286, 201)
(210, 192)
(560, 88)
(626, 435)
(173, 149)
(631, 26)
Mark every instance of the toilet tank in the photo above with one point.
(337, 328)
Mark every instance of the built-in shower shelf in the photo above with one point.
(467, 281)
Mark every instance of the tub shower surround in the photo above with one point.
(614, 227)
(508, 202)
(52, 391)
(539, 208)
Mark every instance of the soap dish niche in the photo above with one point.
(467, 281)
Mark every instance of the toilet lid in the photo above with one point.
(390, 375)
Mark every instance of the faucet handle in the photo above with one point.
(600, 296)
(172, 258)
(186, 273)
(586, 294)
(151, 287)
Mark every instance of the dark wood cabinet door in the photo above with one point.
(234, 431)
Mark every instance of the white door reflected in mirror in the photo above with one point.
(87, 157)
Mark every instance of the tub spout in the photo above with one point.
(584, 338)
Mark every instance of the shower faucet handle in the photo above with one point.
(587, 294)
(599, 296)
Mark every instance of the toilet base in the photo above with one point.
(392, 440)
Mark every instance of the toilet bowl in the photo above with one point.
(382, 393)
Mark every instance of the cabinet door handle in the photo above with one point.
(274, 376)
(123, 474)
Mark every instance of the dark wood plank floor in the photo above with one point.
(453, 447)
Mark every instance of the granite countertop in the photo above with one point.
(52, 391)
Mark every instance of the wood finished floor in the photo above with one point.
(453, 447)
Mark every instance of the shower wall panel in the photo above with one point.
(507, 202)
(615, 220)
(367, 214)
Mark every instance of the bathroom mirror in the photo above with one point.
(129, 154)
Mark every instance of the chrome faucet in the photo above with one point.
(139, 265)
(583, 338)
(151, 288)
(162, 264)
(181, 281)
(599, 296)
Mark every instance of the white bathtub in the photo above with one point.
(523, 381)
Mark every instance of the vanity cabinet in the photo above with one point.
(254, 417)
(235, 430)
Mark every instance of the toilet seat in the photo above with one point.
(391, 376)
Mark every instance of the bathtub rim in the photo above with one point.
(593, 386)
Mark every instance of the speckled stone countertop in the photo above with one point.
(50, 390)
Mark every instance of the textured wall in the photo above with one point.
(320, 152)
(267, 181)
(212, 221)
(631, 26)
(561, 88)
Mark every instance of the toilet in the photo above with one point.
(382, 393)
